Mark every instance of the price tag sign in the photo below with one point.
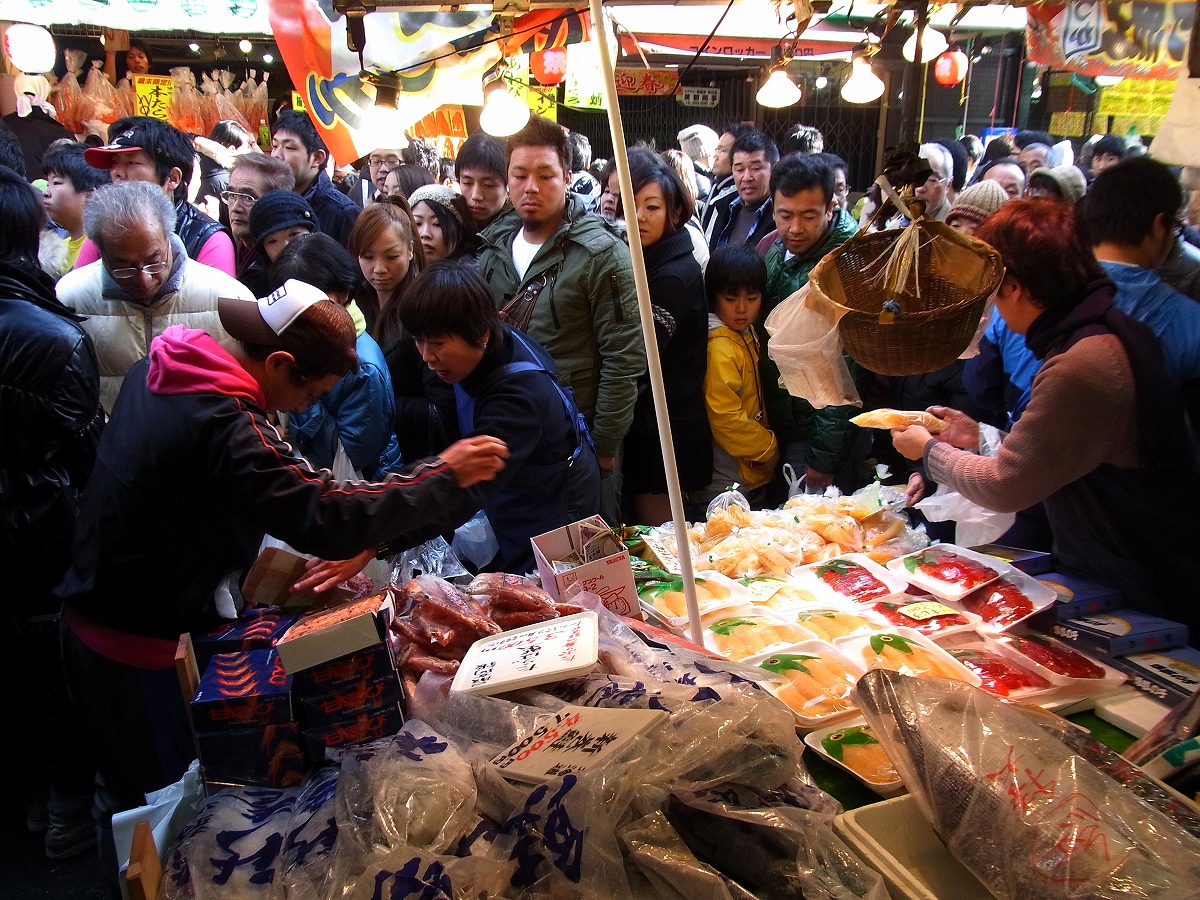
(153, 94)
(575, 739)
(707, 97)
(535, 654)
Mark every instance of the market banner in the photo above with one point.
(439, 58)
(1141, 39)
(732, 47)
(240, 17)
(633, 82)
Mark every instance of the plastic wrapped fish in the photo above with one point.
(1028, 816)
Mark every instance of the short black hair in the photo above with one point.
(481, 153)
(581, 151)
(65, 159)
(973, 145)
(1125, 200)
(833, 161)
(737, 129)
(959, 154)
(319, 260)
(1024, 138)
(450, 298)
(424, 154)
(647, 167)
(167, 147)
(232, 134)
(298, 123)
(409, 177)
(752, 141)
(733, 268)
(11, 154)
(1110, 145)
(806, 139)
(540, 132)
(798, 172)
(24, 217)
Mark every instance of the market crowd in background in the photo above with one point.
(199, 334)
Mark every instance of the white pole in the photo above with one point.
(653, 363)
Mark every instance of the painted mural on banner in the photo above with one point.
(1141, 39)
(439, 57)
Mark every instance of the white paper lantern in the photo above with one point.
(30, 48)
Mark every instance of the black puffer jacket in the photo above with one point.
(194, 227)
(50, 421)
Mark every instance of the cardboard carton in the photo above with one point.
(1079, 597)
(610, 577)
(242, 690)
(323, 636)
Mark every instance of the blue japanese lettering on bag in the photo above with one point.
(407, 881)
(558, 837)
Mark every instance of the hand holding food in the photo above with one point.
(958, 429)
(910, 442)
(897, 418)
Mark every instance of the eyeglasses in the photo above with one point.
(933, 181)
(232, 197)
(132, 272)
(377, 161)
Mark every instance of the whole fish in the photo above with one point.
(1031, 819)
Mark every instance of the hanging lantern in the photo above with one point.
(30, 48)
(950, 68)
(549, 66)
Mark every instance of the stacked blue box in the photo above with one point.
(255, 629)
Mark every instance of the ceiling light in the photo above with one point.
(933, 46)
(245, 46)
(778, 91)
(268, 58)
(863, 85)
(30, 48)
(503, 114)
(821, 82)
(194, 47)
(1108, 80)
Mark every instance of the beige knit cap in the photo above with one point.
(977, 202)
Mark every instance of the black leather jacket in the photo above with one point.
(194, 227)
(50, 421)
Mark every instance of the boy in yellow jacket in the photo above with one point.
(744, 448)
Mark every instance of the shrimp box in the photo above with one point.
(358, 728)
(267, 756)
(1031, 562)
(240, 690)
(1118, 632)
(347, 700)
(269, 582)
(1169, 676)
(609, 576)
(255, 629)
(319, 637)
(1079, 597)
(346, 672)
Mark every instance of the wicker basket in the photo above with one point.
(956, 275)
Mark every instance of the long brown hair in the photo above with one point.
(371, 223)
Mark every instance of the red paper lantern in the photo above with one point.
(950, 68)
(549, 66)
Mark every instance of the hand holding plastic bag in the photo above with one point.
(806, 348)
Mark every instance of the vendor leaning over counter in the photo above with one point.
(189, 476)
(1104, 441)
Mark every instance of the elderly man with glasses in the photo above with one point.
(252, 176)
(143, 282)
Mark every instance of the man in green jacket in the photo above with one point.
(563, 277)
(816, 442)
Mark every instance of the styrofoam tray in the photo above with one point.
(1039, 594)
(725, 644)
(809, 614)
(979, 640)
(736, 596)
(861, 649)
(822, 739)
(924, 608)
(778, 593)
(541, 653)
(1068, 686)
(894, 583)
(894, 838)
(944, 589)
(825, 652)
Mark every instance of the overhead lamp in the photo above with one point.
(821, 82)
(194, 47)
(268, 58)
(503, 114)
(1108, 80)
(30, 48)
(387, 87)
(778, 91)
(932, 46)
(863, 85)
(245, 46)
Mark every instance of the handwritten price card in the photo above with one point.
(535, 654)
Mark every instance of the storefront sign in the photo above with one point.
(153, 94)
(633, 82)
(1143, 38)
(707, 97)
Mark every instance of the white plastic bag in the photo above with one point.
(974, 524)
(167, 810)
(475, 541)
(806, 348)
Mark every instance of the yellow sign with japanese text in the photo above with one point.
(153, 93)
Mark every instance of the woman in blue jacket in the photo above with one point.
(360, 409)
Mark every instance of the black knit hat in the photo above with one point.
(277, 210)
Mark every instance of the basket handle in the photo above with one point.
(886, 187)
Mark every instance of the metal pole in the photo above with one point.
(912, 80)
(653, 363)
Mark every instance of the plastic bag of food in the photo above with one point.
(230, 851)
(306, 859)
(774, 852)
(973, 524)
(102, 94)
(727, 498)
(475, 541)
(1030, 818)
(434, 557)
(670, 867)
(806, 348)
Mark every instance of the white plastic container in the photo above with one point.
(829, 621)
(872, 651)
(823, 742)
(811, 711)
(746, 631)
(1039, 594)
(893, 838)
(735, 595)
(946, 590)
(894, 583)
(926, 613)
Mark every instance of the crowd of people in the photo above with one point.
(355, 364)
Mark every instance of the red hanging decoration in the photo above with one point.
(549, 66)
(950, 68)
